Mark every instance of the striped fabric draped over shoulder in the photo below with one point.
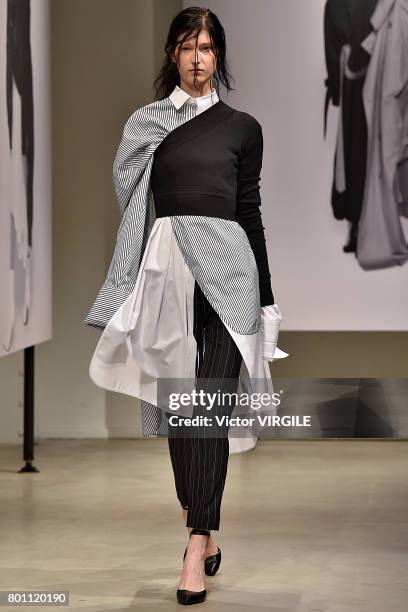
(143, 132)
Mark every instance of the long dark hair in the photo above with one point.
(188, 21)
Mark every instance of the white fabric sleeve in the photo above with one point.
(270, 323)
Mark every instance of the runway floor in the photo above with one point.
(316, 526)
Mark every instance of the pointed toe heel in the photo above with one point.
(212, 562)
(185, 596)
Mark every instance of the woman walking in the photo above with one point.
(186, 295)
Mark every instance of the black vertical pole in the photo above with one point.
(28, 410)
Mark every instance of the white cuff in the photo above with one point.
(270, 322)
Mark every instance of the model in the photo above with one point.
(188, 295)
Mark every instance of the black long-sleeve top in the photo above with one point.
(213, 168)
(248, 213)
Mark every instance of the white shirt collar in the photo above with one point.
(179, 97)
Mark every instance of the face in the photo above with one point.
(195, 54)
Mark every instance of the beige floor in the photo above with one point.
(318, 525)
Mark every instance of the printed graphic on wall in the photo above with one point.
(367, 63)
(25, 213)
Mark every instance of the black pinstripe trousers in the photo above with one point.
(200, 463)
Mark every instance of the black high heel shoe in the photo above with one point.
(185, 596)
(212, 562)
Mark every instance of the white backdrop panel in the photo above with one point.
(26, 287)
